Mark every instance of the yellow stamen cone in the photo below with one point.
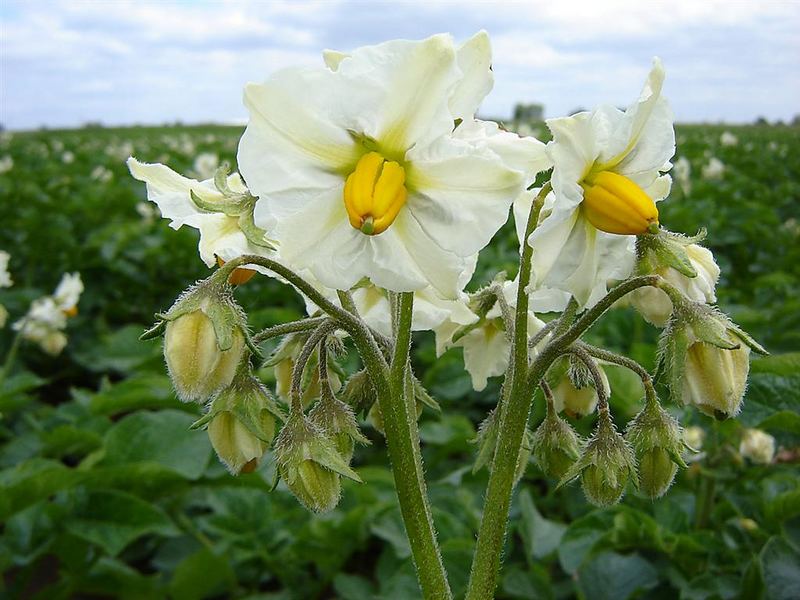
(615, 204)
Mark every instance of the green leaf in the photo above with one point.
(781, 566)
(112, 520)
(612, 576)
(533, 584)
(390, 528)
(202, 575)
(581, 536)
(540, 536)
(140, 391)
(352, 587)
(32, 481)
(162, 437)
(120, 351)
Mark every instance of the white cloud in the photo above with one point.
(66, 62)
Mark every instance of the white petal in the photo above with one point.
(474, 58)
(294, 139)
(574, 148)
(485, 354)
(525, 154)
(399, 91)
(459, 195)
(333, 58)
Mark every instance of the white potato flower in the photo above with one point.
(3, 316)
(758, 446)
(714, 169)
(682, 170)
(654, 304)
(205, 165)
(486, 346)
(47, 317)
(6, 164)
(608, 167)
(5, 276)
(728, 139)
(223, 216)
(361, 172)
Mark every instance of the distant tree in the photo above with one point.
(762, 121)
(529, 112)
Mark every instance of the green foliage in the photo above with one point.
(104, 490)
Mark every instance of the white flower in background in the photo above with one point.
(694, 437)
(5, 276)
(360, 173)
(148, 211)
(224, 217)
(714, 169)
(486, 347)
(6, 164)
(607, 175)
(728, 139)
(205, 165)
(57, 145)
(68, 293)
(68, 158)
(101, 174)
(654, 304)
(758, 446)
(47, 317)
(682, 170)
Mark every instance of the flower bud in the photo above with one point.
(556, 446)
(578, 402)
(688, 267)
(196, 364)
(205, 334)
(241, 422)
(758, 446)
(657, 444)
(339, 423)
(310, 464)
(605, 466)
(705, 358)
(359, 392)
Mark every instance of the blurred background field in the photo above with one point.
(104, 492)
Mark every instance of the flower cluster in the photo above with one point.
(47, 316)
(368, 184)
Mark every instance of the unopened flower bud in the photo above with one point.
(578, 402)
(310, 464)
(706, 359)
(204, 340)
(657, 444)
(556, 446)
(688, 267)
(359, 392)
(339, 423)
(715, 379)
(606, 465)
(241, 422)
(758, 446)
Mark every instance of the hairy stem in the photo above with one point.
(287, 328)
(514, 411)
(398, 410)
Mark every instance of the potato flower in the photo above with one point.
(221, 208)
(375, 167)
(487, 345)
(607, 176)
(5, 281)
(47, 317)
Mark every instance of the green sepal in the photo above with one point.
(422, 395)
(155, 331)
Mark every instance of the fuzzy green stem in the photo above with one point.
(287, 328)
(315, 339)
(514, 411)
(402, 436)
(12, 352)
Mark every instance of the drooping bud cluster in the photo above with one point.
(657, 442)
(339, 423)
(606, 465)
(310, 464)
(575, 393)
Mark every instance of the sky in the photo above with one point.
(65, 63)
